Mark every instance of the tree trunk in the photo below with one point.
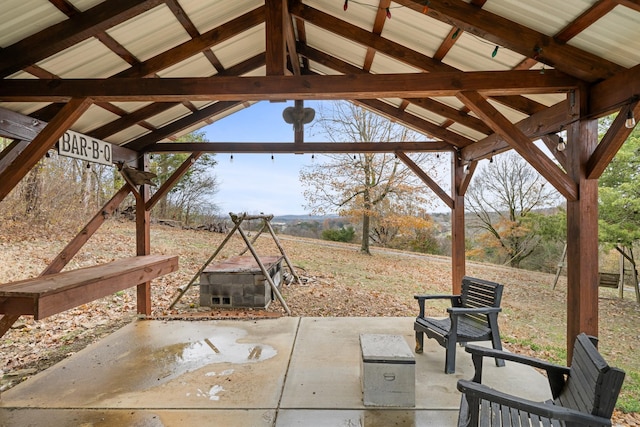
(366, 219)
(32, 191)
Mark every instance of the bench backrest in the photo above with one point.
(480, 293)
(593, 386)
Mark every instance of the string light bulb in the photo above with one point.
(231, 159)
(346, 5)
(561, 144)
(467, 169)
(631, 121)
(495, 52)
(388, 13)
(455, 34)
(425, 9)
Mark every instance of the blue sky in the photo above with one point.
(254, 183)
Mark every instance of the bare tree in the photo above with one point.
(356, 185)
(504, 197)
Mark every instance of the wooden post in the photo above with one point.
(582, 232)
(458, 188)
(143, 238)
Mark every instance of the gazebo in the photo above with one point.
(478, 77)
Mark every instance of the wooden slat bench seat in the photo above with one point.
(473, 316)
(583, 394)
(50, 294)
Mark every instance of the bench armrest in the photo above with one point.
(473, 310)
(547, 410)
(555, 373)
(454, 299)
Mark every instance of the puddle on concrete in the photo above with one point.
(223, 347)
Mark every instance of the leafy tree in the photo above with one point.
(360, 185)
(504, 197)
(192, 194)
(619, 194)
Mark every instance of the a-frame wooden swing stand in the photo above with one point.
(266, 225)
(611, 280)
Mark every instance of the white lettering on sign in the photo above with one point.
(83, 147)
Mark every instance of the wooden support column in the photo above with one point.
(143, 238)
(460, 182)
(582, 232)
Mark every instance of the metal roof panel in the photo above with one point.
(87, 59)
(150, 33)
(613, 37)
(21, 19)
(241, 47)
(196, 66)
(335, 45)
(206, 15)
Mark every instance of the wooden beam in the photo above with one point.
(143, 238)
(28, 128)
(42, 143)
(521, 143)
(373, 41)
(426, 179)
(361, 86)
(131, 119)
(582, 22)
(72, 248)
(429, 104)
(551, 141)
(58, 37)
(582, 233)
(611, 142)
(393, 113)
(141, 143)
(196, 45)
(275, 37)
(607, 96)
(291, 147)
(171, 181)
(459, 184)
(536, 126)
(518, 38)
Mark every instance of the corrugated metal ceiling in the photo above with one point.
(614, 37)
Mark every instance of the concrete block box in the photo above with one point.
(239, 282)
(388, 371)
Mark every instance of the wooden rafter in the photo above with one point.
(536, 126)
(274, 12)
(179, 125)
(521, 143)
(518, 38)
(42, 143)
(611, 142)
(426, 179)
(582, 22)
(65, 34)
(196, 45)
(394, 50)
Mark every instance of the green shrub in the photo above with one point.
(339, 234)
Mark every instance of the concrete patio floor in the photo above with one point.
(280, 372)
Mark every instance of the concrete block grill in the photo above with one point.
(239, 282)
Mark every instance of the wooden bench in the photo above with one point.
(609, 280)
(50, 294)
(584, 394)
(473, 316)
